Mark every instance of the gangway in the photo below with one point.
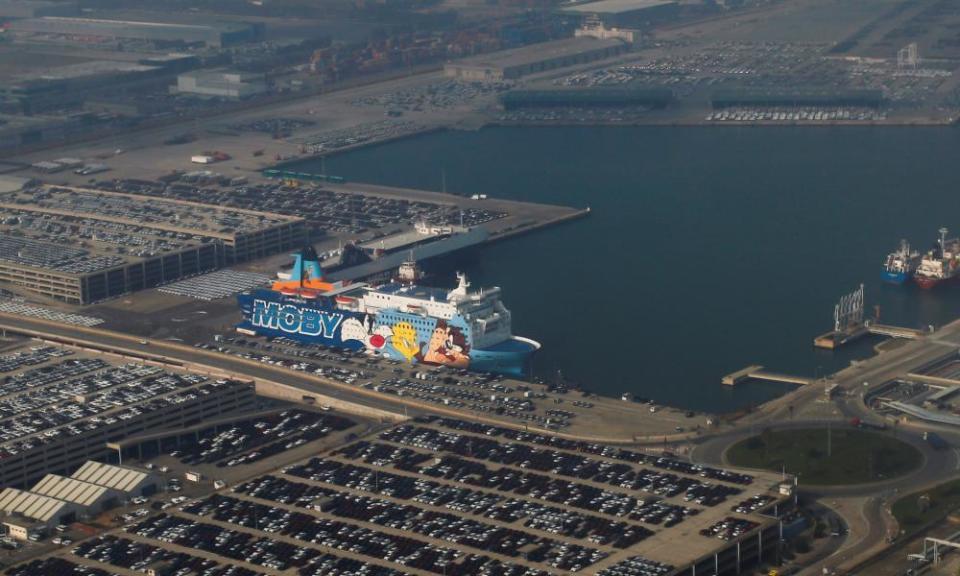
(894, 331)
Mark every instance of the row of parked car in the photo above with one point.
(579, 446)
(252, 440)
(729, 528)
(332, 533)
(658, 482)
(539, 516)
(138, 556)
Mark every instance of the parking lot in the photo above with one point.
(325, 210)
(13, 306)
(430, 97)
(255, 439)
(434, 496)
(216, 285)
(535, 405)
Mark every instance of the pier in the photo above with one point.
(837, 338)
(849, 324)
(756, 372)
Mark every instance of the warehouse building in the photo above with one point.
(55, 499)
(26, 513)
(216, 34)
(519, 62)
(126, 242)
(223, 84)
(624, 13)
(122, 480)
(92, 498)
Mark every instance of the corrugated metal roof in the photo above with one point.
(70, 489)
(115, 477)
(30, 505)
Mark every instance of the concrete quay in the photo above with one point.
(609, 421)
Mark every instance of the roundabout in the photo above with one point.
(828, 457)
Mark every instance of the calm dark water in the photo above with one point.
(707, 249)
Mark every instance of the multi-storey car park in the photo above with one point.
(83, 245)
(59, 409)
(446, 496)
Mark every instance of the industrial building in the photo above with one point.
(94, 488)
(224, 84)
(119, 479)
(81, 245)
(519, 62)
(60, 87)
(93, 498)
(18, 131)
(25, 513)
(624, 13)
(48, 439)
(37, 8)
(216, 34)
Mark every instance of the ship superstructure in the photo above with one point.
(901, 264)
(940, 264)
(461, 327)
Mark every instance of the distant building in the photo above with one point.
(594, 28)
(37, 8)
(519, 62)
(624, 13)
(210, 34)
(62, 86)
(223, 84)
(83, 271)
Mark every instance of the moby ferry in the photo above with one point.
(461, 328)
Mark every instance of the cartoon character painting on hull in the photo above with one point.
(447, 346)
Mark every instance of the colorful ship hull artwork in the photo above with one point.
(400, 320)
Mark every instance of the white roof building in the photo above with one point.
(119, 478)
(85, 494)
(35, 507)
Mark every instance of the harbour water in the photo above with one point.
(708, 249)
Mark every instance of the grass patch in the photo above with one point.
(916, 511)
(855, 456)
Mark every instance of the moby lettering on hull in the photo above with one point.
(459, 328)
(294, 320)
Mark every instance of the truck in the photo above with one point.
(935, 441)
(858, 423)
